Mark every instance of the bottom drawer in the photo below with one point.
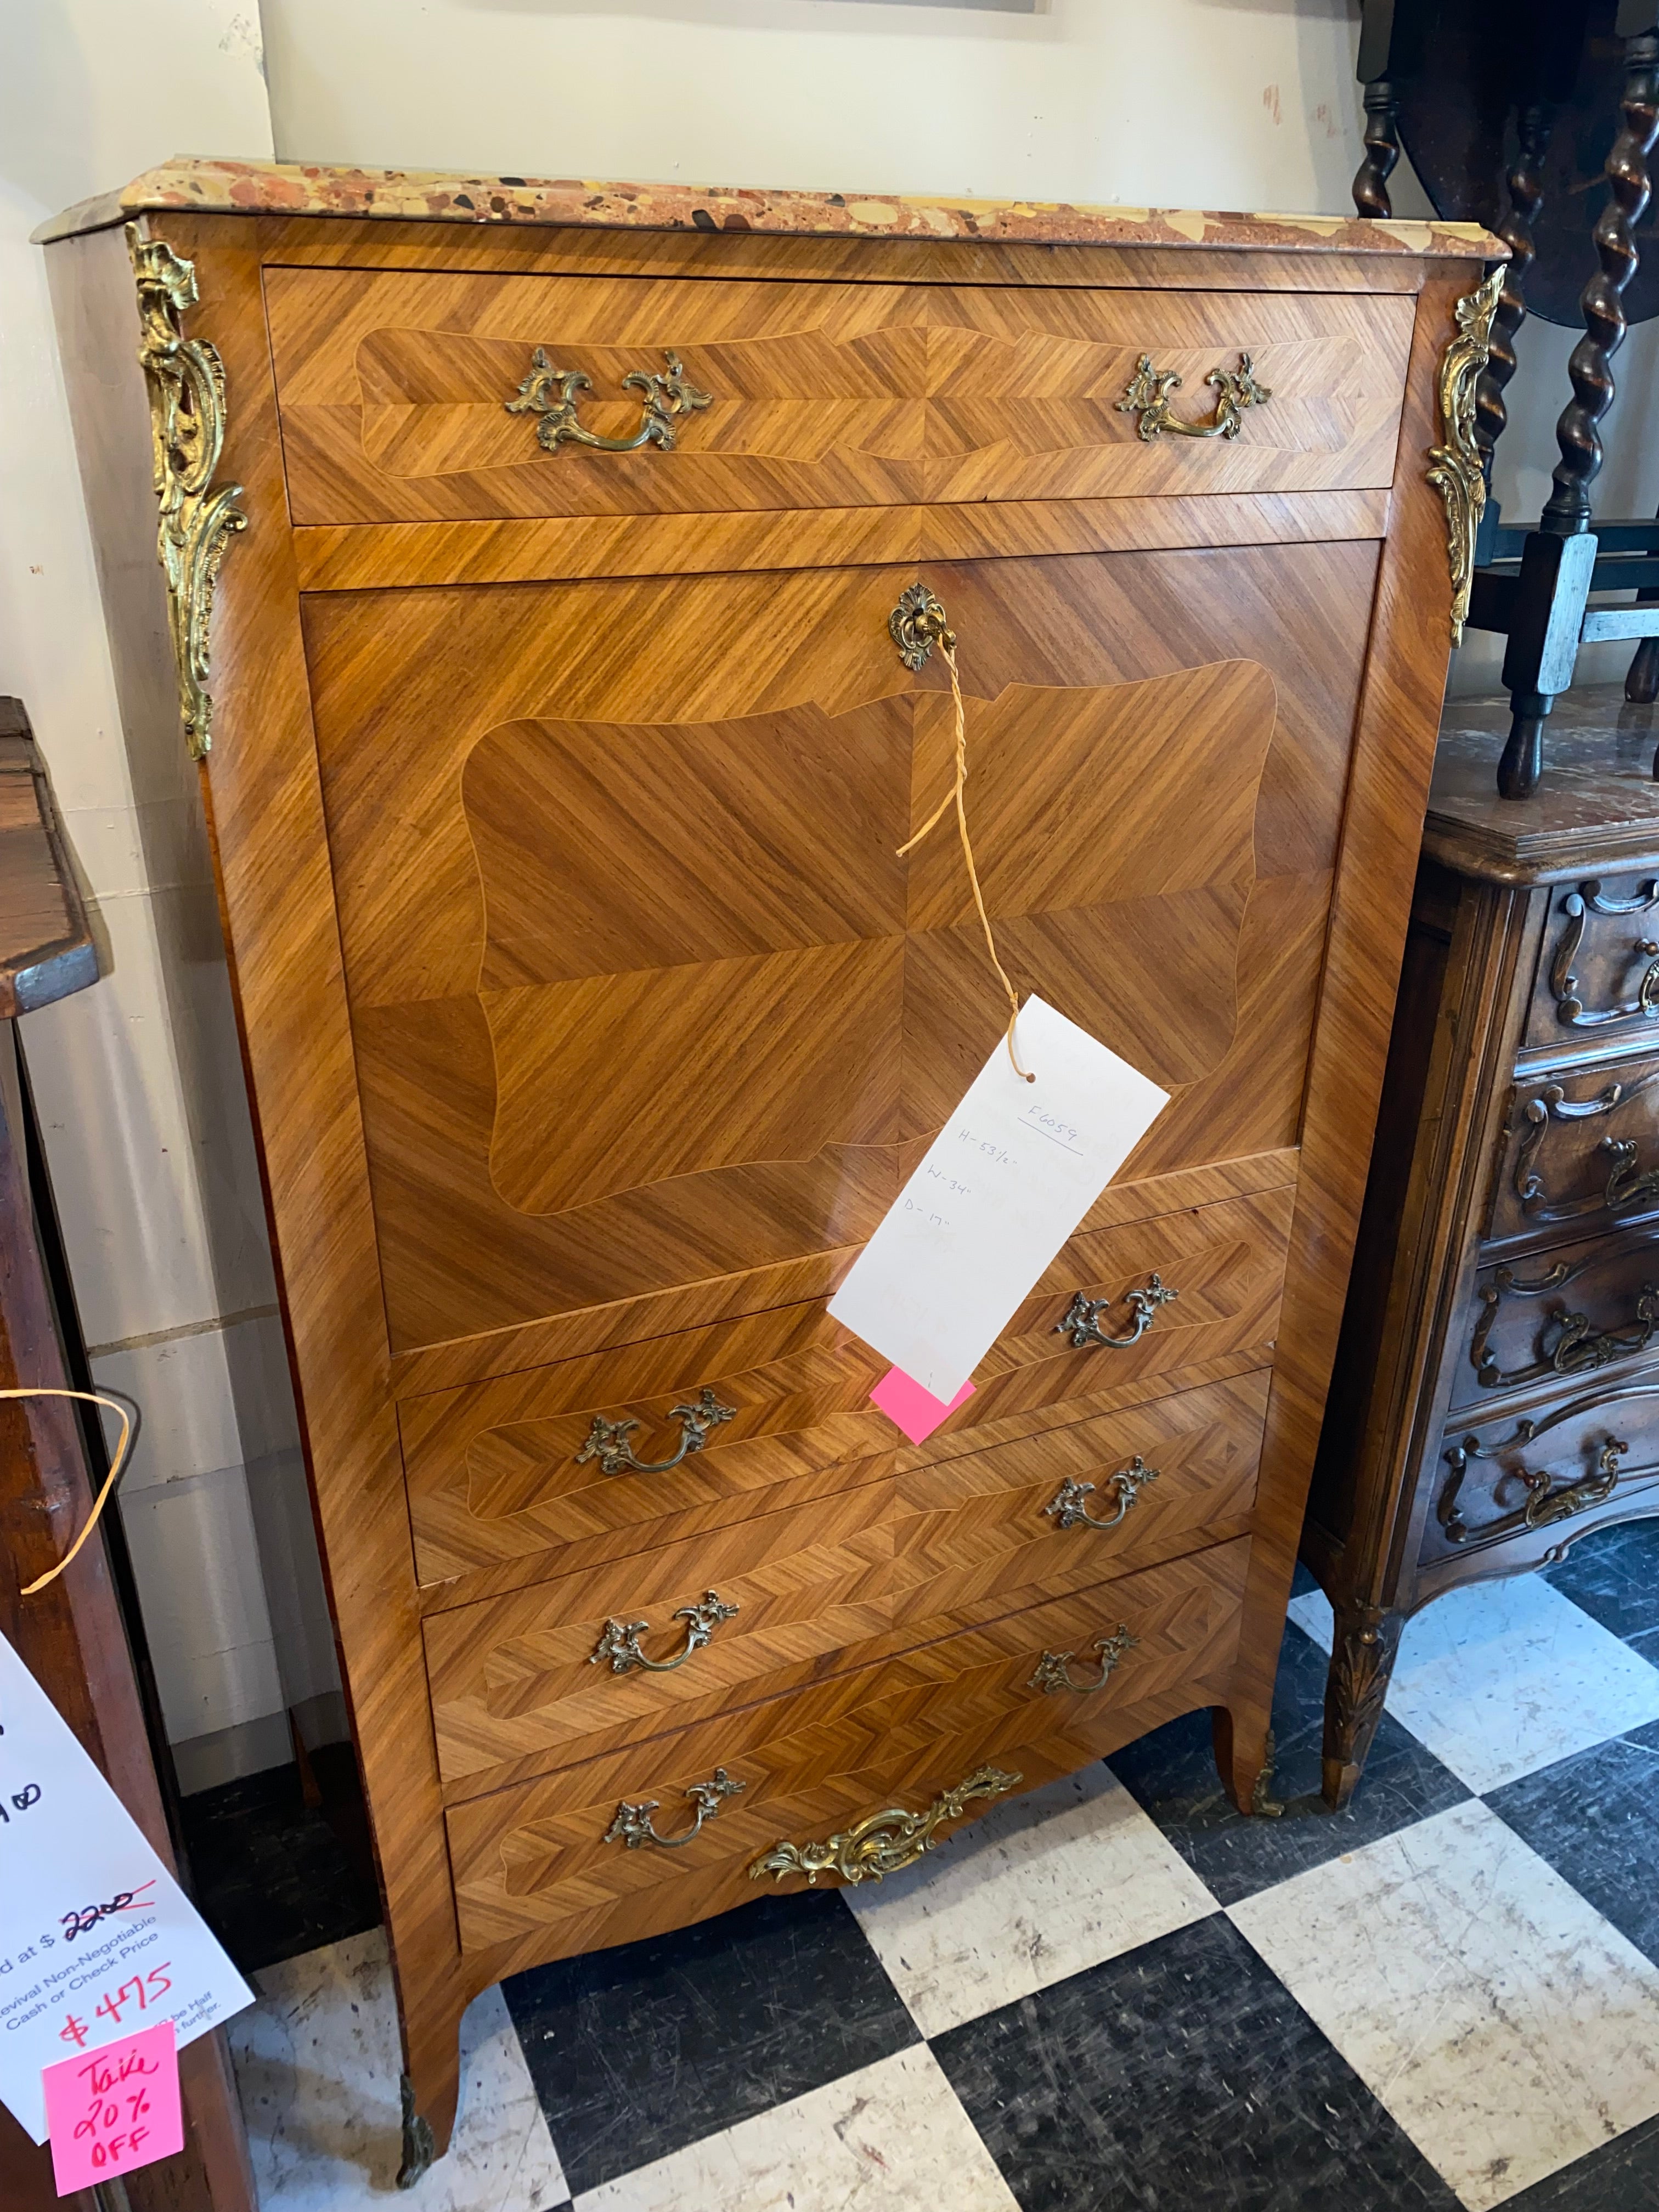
(1513, 1475)
(546, 1870)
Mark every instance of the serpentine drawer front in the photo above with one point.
(813, 1762)
(570, 1668)
(1580, 1152)
(532, 552)
(1571, 1310)
(530, 1466)
(1597, 983)
(408, 396)
(1519, 1471)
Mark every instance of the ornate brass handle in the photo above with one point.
(620, 1643)
(1627, 1184)
(882, 1842)
(1546, 1503)
(1148, 394)
(607, 1441)
(1054, 1669)
(1081, 1319)
(1568, 1343)
(1570, 1008)
(550, 393)
(632, 1825)
(1069, 1512)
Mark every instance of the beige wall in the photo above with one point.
(1189, 103)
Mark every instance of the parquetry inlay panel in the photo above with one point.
(393, 388)
(658, 1003)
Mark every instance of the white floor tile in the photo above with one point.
(1502, 1678)
(1507, 2027)
(890, 2138)
(317, 2068)
(1039, 1887)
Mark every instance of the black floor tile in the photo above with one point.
(1181, 2077)
(1595, 1818)
(1613, 1574)
(271, 1878)
(1623, 2175)
(636, 2052)
(1172, 1774)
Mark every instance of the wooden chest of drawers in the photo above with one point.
(1497, 1386)
(560, 752)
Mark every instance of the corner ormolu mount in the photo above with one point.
(186, 381)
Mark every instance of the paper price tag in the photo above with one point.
(1005, 1184)
(115, 2109)
(97, 1940)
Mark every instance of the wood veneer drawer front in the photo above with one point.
(504, 1469)
(1506, 1480)
(554, 1674)
(1580, 1151)
(1597, 980)
(535, 1860)
(395, 389)
(1564, 1313)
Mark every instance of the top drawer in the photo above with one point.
(395, 389)
(1596, 986)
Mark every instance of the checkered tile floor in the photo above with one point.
(1113, 1993)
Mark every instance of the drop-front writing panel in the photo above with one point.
(641, 992)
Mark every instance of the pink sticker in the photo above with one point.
(917, 1412)
(114, 2109)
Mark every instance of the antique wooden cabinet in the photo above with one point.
(1497, 1387)
(561, 750)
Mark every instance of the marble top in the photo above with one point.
(1596, 804)
(292, 188)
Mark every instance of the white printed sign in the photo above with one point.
(96, 1937)
(1005, 1184)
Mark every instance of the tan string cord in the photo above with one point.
(116, 1465)
(949, 651)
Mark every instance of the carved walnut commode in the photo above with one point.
(1496, 1387)
(560, 752)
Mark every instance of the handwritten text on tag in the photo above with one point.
(1005, 1184)
(115, 2110)
(96, 1937)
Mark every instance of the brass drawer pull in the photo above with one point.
(607, 1441)
(1567, 1343)
(632, 1825)
(1148, 394)
(882, 1842)
(1054, 1669)
(1081, 1319)
(1069, 1511)
(550, 393)
(620, 1643)
(1546, 1502)
(1570, 1008)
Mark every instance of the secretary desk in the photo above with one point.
(556, 579)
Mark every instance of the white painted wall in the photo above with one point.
(1189, 103)
(137, 1079)
(1221, 103)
